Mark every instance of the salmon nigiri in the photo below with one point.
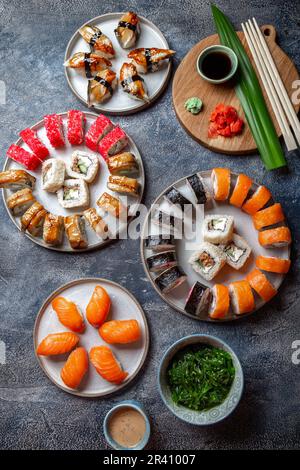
(68, 314)
(75, 368)
(107, 365)
(98, 307)
(120, 331)
(57, 343)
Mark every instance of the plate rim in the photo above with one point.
(97, 246)
(171, 304)
(135, 107)
(42, 311)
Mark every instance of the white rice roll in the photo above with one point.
(218, 228)
(83, 165)
(237, 251)
(207, 261)
(74, 193)
(53, 174)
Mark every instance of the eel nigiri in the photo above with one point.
(68, 314)
(98, 41)
(57, 343)
(220, 301)
(221, 183)
(75, 368)
(107, 365)
(87, 63)
(242, 299)
(132, 83)
(29, 160)
(275, 237)
(260, 283)
(241, 189)
(128, 30)
(269, 216)
(149, 59)
(101, 87)
(30, 138)
(120, 331)
(272, 264)
(257, 201)
(98, 307)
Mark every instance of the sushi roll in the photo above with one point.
(20, 201)
(76, 122)
(257, 201)
(54, 130)
(112, 143)
(275, 237)
(100, 127)
(167, 222)
(75, 230)
(36, 224)
(218, 228)
(198, 188)
(159, 243)
(53, 229)
(74, 193)
(220, 302)
(262, 286)
(31, 212)
(241, 189)
(29, 160)
(101, 87)
(241, 296)
(123, 185)
(53, 174)
(176, 198)
(112, 205)
(97, 41)
(207, 261)
(272, 264)
(123, 164)
(128, 30)
(16, 179)
(198, 300)
(221, 183)
(270, 216)
(161, 261)
(96, 223)
(149, 59)
(170, 279)
(87, 64)
(132, 83)
(237, 251)
(36, 146)
(83, 165)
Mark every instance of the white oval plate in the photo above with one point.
(50, 201)
(120, 103)
(124, 306)
(243, 226)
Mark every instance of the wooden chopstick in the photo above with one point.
(253, 44)
(278, 84)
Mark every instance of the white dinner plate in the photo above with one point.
(120, 103)
(243, 226)
(123, 307)
(96, 188)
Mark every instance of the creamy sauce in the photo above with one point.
(127, 427)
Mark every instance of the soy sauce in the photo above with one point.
(216, 65)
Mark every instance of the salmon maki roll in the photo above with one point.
(275, 237)
(120, 331)
(57, 343)
(68, 314)
(269, 216)
(273, 264)
(221, 183)
(241, 296)
(241, 189)
(98, 307)
(220, 301)
(262, 286)
(107, 365)
(257, 201)
(30, 138)
(54, 130)
(75, 368)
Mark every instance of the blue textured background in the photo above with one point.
(34, 414)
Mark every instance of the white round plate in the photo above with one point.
(97, 187)
(120, 103)
(124, 306)
(243, 226)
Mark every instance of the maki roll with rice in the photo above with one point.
(237, 251)
(198, 188)
(207, 261)
(74, 193)
(83, 166)
(218, 228)
(170, 279)
(176, 198)
(167, 222)
(159, 243)
(53, 174)
(20, 201)
(161, 261)
(198, 300)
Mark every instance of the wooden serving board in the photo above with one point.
(187, 83)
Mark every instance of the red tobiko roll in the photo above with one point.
(20, 155)
(76, 122)
(54, 130)
(100, 127)
(38, 148)
(113, 143)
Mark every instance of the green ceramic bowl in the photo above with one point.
(216, 414)
(217, 48)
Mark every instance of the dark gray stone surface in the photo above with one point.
(34, 414)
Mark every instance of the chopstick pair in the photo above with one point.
(277, 94)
